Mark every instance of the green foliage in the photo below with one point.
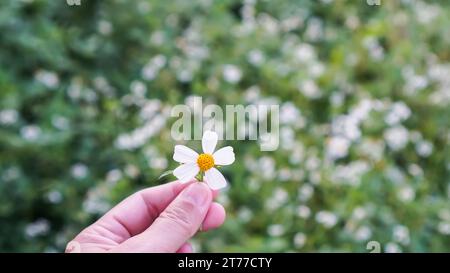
(86, 93)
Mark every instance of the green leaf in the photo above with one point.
(166, 173)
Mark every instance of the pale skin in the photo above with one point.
(156, 219)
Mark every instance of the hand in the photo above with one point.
(157, 219)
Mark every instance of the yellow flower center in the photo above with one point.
(205, 162)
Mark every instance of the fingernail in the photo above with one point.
(198, 192)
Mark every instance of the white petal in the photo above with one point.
(186, 172)
(215, 179)
(183, 154)
(224, 156)
(209, 142)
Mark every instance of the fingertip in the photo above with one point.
(214, 218)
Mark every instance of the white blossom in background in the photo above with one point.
(337, 147)
(424, 148)
(158, 163)
(413, 82)
(363, 233)
(149, 109)
(79, 171)
(8, 116)
(372, 148)
(266, 167)
(256, 57)
(132, 171)
(396, 137)
(152, 68)
(269, 24)
(406, 194)
(289, 113)
(231, 73)
(105, 27)
(113, 176)
(304, 53)
(305, 192)
(316, 69)
(399, 112)
(359, 213)
(351, 173)
(401, 234)
(47, 78)
(60, 122)
(138, 88)
(37, 228)
(284, 174)
(327, 218)
(278, 199)
(444, 228)
(395, 175)
(30, 132)
(287, 138)
(245, 214)
(375, 50)
(141, 135)
(102, 85)
(275, 230)
(252, 94)
(303, 211)
(392, 247)
(54, 197)
(425, 12)
(310, 89)
(314, 29)
(346, 126)
(299, 240)
(95, 205)
(10, 174)
(415, 170)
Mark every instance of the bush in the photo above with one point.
(86, 93)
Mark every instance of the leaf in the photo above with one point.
(166, 173)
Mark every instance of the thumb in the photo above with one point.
(175, 225)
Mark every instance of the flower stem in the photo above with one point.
(200, 177)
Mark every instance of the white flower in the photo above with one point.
(424, 148)
(8, 116)
(363, 233)
(396, 137)
(232, 73)
(255, 57)
(299, 240)
(303, 211)
(37, 228)
(337, 147)
(47, 78)
(30, 132)
(401, 234)
(105, 27)
(192, 163)
(392, 248)
(326, 218)
(79, 171)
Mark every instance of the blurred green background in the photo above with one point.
(86, 93)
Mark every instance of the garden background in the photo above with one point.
(363, 89)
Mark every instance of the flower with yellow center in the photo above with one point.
(192, 163)
(205, 162)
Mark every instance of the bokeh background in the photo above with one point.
(86, 93)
